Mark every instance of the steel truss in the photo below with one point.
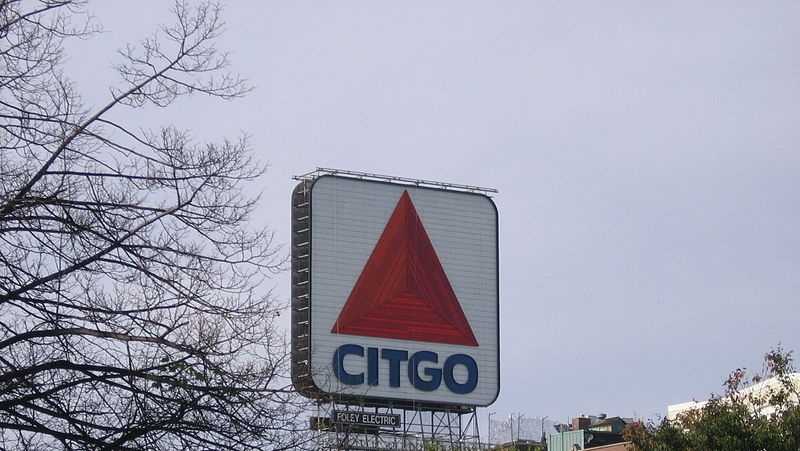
(420, 429)
(309, 176)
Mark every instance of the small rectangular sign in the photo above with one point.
(366, 418)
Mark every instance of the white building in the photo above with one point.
(759, 391)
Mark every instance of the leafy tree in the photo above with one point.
(131, 309)
(741, 420)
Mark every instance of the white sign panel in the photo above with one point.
(404, 293)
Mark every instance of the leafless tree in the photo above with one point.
(132, 313)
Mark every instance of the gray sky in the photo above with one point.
(646, 156)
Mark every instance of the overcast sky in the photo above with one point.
(646, 156)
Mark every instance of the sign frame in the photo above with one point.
(302, 304)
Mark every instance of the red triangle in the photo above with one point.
(403, 292)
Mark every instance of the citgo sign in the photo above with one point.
(397, 296)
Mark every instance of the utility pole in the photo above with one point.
(544, 438)
(511, 423)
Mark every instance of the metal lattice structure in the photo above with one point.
(310, 176)
(419, 429)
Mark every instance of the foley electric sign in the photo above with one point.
(395, 293)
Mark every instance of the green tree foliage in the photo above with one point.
(752, 415)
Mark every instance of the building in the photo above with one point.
(760, 391)
(582, 439)
(623, 446)
(521, 445)
(612, 424)
(590, 432)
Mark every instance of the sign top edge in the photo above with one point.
(396, 180)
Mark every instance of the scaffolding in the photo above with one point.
(419, 429)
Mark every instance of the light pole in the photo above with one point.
(511, 423)
(544, 438)
(490, 426)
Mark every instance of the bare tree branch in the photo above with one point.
(132, 308)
